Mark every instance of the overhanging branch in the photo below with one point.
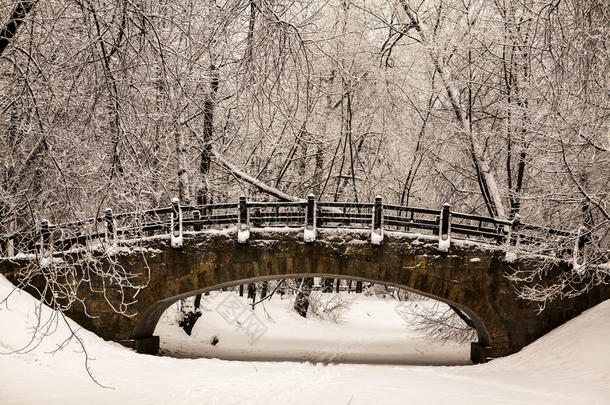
(251, 180)
(21, 10)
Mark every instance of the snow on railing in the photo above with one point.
(308, 214)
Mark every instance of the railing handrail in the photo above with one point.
(328, 214)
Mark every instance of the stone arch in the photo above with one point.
(216, 260)
(147, 322)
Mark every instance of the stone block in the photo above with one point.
(479, 353)
(149, 345)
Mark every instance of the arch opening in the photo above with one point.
(149, 321)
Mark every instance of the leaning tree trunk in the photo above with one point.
(486, 179)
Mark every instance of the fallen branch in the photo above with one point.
(251, 180)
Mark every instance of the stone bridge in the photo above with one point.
(466, 274)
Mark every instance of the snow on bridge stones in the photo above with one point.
(316, 239)
(467, 276)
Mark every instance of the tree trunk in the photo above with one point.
(264, 288)
(327, 285)
(301, 302)
(190, 318)
(21, 10)
(252, 291)
(250, 37)
(486, 179)
(203, 194)
(183, 179)
(251, 180)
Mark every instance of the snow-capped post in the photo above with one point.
(196, 220)
(444, 229)
(578, 259)
(513, 238)
(176, 225)
(110, 227)
(310, 219)
(243, 233)
(377, 232)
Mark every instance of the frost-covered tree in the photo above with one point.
(499, 108)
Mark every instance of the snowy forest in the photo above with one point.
(499, 108)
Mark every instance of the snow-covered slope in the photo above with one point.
(570, 365)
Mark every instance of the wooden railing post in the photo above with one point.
(444, 229)
(109, 221)
(501, 230)
(243, 210)
(243, 233)
(310, 220)
(196, 220)
(176, 224)
(377, 231)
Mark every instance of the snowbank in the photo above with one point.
(571, 365)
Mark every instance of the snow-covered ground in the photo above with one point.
(370, 331)
(570, 365)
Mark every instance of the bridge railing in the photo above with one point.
(410, 219)
(344, 214)
(377, 217)
(262, 214)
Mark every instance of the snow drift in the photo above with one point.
(570, 365)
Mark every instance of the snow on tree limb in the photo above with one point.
(579, 186)
(486, 179)
(21, 10)
(251, 180)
